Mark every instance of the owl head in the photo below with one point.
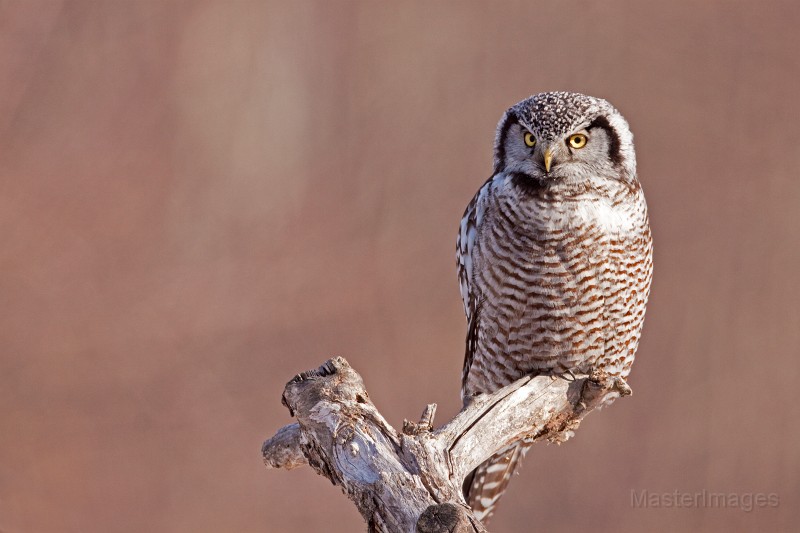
(559, 137)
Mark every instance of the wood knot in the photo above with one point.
(444, 518)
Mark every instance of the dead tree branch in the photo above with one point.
(411, 480)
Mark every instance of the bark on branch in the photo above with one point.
(411, 480)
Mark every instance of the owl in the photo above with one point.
(554, 258)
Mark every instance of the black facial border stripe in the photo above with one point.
(500, 153)
(614, 152)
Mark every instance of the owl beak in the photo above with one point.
(548, 159)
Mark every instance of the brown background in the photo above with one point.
(200, 199)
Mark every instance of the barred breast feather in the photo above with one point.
(553, 279)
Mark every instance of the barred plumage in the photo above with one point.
(554, 262)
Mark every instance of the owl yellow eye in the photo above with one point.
(530, 140)
(578, 140)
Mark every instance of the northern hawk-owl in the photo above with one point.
(554, 257)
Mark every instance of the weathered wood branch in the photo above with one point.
(411, 480)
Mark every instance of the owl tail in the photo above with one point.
(484, 486)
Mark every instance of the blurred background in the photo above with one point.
(199, 199)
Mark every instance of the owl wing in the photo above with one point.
(465, 246)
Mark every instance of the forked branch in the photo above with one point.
(411, 480)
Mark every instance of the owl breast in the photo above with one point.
(560, 279)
